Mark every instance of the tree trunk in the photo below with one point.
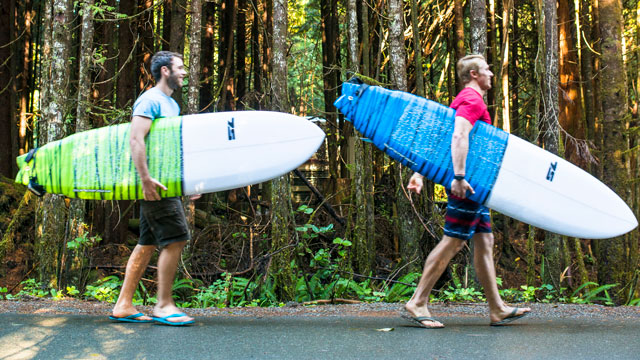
(225, 55)
(207, 52)
(281, 268)
(51, 217)
(241, 54)
(417, 48)
(176, 41)
(586, 65)
(126, 86)
(363, 240)
(6, 80)
(617, 258)
(145, 45)
(571, 101)
(328, 9)
(193, 104)
(548, 26)
(478, 27)
(459, 37)
(25, 106)
(256, 67)
(409, 230)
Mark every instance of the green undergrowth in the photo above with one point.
(324, 278)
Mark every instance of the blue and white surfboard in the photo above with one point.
(508, 174)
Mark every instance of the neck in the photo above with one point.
(474, 85)
(164, 87)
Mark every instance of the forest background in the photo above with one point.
(567, 79)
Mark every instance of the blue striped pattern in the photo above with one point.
(417, 132)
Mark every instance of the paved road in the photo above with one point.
(29, 336)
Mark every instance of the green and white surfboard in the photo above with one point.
(192, 154)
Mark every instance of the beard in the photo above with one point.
(174, 82)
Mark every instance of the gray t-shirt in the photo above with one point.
(154, 104)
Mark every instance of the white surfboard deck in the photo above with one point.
(228, 150)
(540, 188)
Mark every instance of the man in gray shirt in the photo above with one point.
(162, 221)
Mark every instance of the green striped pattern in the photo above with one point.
(97, 164)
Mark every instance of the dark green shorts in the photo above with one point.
(162, 222)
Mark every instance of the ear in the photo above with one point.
(165, 71)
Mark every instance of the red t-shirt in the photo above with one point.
(470, 105)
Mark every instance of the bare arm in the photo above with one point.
(140, 126)
(459, 151)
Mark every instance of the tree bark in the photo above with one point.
(459, 37)
(241, 54)
(207, 52)
(328, 9)
(617, 258)
(126, 93)
(6, 81)
(570, 116)
(51, 216)
(478, 27)
(548, 26)
(281, 239)
(176, 41)
(409, 229)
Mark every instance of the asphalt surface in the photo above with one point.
(46, 336)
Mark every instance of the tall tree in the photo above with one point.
(177, 36)
(570, 115)
(126, 86)
(363, 239)
(459, 36)
(240, 75)
(409, 229)
(281, 239)
(225, 55)
(6, 116)
(206, 55)
(330, 74)
(145, 45)
(51, 217)
(478, 27)
(617, 258)
(548, 73)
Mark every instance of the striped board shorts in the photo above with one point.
(465, 217)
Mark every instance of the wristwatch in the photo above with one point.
(458, 177)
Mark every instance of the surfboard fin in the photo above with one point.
(25, 176)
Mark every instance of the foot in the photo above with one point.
(124, 311)
(162, 312)
(421, 315)
(507, 314)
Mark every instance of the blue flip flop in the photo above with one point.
(163, 320)
(130, 319)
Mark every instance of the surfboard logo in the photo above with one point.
(231, 129)
(552, 171)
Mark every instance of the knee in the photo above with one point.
(484, 241)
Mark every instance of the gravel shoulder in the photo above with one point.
(541, 311)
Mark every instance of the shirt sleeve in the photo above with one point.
(470, 110)
(146, 107)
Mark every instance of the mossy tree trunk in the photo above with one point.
(51, 218)
(617, 258)
(282, 241)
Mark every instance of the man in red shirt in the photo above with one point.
(465, 219)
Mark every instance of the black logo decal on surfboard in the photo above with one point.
(552, 171)
(231, 129)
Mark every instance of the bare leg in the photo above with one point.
(485, 268)
(435, 265)
(167, 266)
(136, 266)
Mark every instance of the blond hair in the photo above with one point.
(466, 64)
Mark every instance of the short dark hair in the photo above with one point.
(160, 59)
